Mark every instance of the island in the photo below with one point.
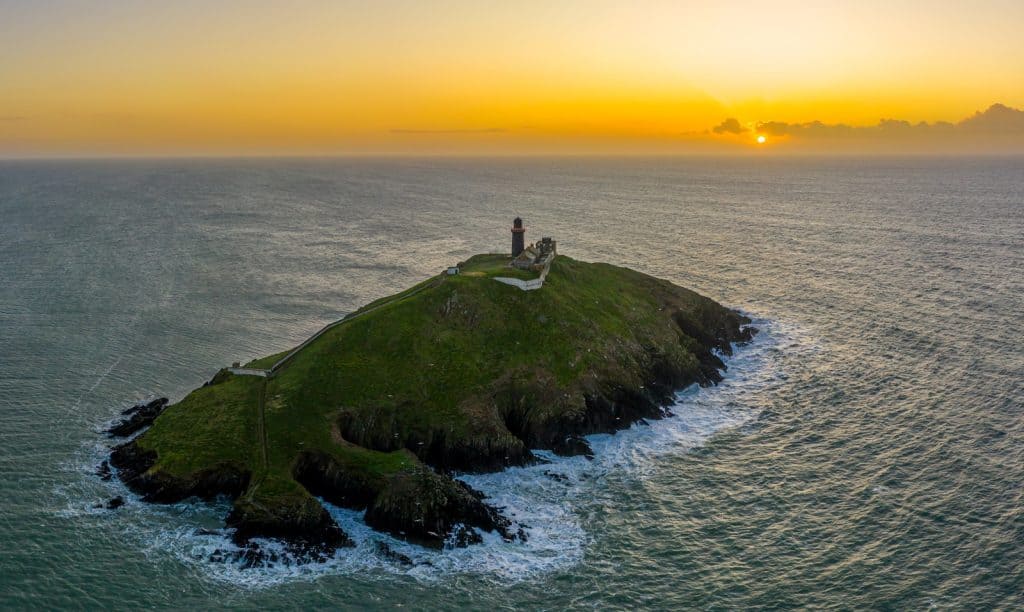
(465, 372)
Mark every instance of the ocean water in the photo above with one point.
(865, 451)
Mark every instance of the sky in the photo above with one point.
(322, 77)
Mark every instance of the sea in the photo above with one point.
(865, 451)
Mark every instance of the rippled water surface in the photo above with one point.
(867, 450)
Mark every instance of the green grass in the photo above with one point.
(424, 365)
(494, 265)
(412, 363)
(211, 425)
(432, 281)
(264, 363)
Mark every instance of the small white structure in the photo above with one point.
(528, 285)
(452, 270)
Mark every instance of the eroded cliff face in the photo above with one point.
(465, 376)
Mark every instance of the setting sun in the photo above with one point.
(761, 140)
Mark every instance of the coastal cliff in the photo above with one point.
(458, 374)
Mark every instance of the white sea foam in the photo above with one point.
(546, 500)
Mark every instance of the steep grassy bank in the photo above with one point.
(466, 374)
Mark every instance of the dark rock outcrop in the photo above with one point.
(104, 472)
(301, 521)
(324, 477)
(427, 508)
(251, 554)
(388, 553)
(420, 505)
(133, 465)
(571, 446)
(138, 416)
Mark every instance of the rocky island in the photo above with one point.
(457, 374)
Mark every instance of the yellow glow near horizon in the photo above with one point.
(761, 139)
(457, 76)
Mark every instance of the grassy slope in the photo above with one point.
(213, 424)
(420, 365)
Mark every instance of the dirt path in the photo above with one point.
(262, 423)
(261, 434)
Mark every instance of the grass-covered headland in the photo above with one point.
(464, 374)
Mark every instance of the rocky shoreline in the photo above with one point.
(430, 507)
(458, 375)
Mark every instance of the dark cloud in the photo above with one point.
(998, 123)
(468, 131)
(729, 126)
(998, 118)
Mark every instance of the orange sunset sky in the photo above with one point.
(476, 77)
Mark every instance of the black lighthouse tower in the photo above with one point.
(518, 237)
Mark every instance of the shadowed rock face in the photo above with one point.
(138, 416)
(299, 520)
(134, 469)
(465, 375)
(426, 507)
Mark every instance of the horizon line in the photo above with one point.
(515, 155)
